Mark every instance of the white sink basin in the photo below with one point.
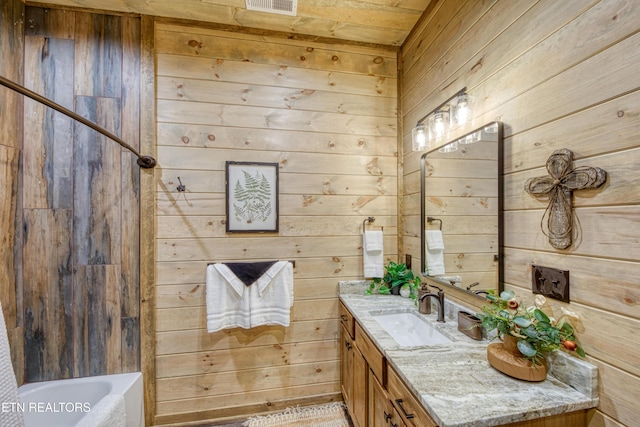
(409, 330)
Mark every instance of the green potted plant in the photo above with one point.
(534, 332)
(395, 278)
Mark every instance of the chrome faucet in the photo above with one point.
(439, 298)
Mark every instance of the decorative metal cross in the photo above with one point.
(559, 186)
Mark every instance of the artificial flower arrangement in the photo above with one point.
(535, 332)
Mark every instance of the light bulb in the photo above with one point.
(439, 125)
(419, 138)
(461, 111)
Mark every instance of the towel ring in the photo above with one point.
(430, 219)
(369, 220)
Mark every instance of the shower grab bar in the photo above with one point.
(146, 162)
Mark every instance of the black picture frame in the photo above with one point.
(251, 194)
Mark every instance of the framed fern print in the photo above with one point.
(252, 197)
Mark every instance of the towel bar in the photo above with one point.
(293, 263)
(430, 219)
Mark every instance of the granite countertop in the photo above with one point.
(455, 382)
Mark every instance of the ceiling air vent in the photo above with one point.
(283, 7)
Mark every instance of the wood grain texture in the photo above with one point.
(97, 337)
(366, 22)
(48, 294)
(147, 210)
(329, 120)
(97, 184)
(50, 23)
(98, 67)
(11, 128)
(47, 170)
(80, 198)
(580, 98)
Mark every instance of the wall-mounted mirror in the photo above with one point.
(461, 212)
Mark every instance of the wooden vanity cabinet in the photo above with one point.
(376, 396)
(346, 366)
(347, 334)
(406, 405)
(381, 411)
(364, 375)
(353, 371)
(359, 391)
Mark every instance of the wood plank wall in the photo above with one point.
(80, 196)
(559, 75)
(327, 115)
(11, 104)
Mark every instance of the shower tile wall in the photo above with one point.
(80, 220)
(11, 67)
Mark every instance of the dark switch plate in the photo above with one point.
(550, 282)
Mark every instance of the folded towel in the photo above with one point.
(435, 262)
(434, 252)
(435, 240)
(372, 254)
(373, 241)
(110, 411)
(249, 272)
(8, 384)
(271, 296)
(227, 300)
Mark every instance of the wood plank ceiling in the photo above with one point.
(383, 22)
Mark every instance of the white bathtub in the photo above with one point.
(64, 403)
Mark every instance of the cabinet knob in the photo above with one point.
(344, 317)
(348, 345)
(387, 417)
(407, 415)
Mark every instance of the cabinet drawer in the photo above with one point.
(410, 410)
(372, 355)
(347, 320)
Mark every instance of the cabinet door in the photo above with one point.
(346, 367)
(407, 406)
(381, 412)
(359, 390)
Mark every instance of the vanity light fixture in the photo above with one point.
(471, 138)
(419, 137)
(449, 148)
(461, 112)
(439, 125)
(455, 112)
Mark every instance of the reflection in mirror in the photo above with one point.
(461, 212)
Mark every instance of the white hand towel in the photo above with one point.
(435, 240)
(110, 411)
(435, 252)
(227, 300)
(8, 384)
(435, 262)
(271, 296)
(372, 254)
